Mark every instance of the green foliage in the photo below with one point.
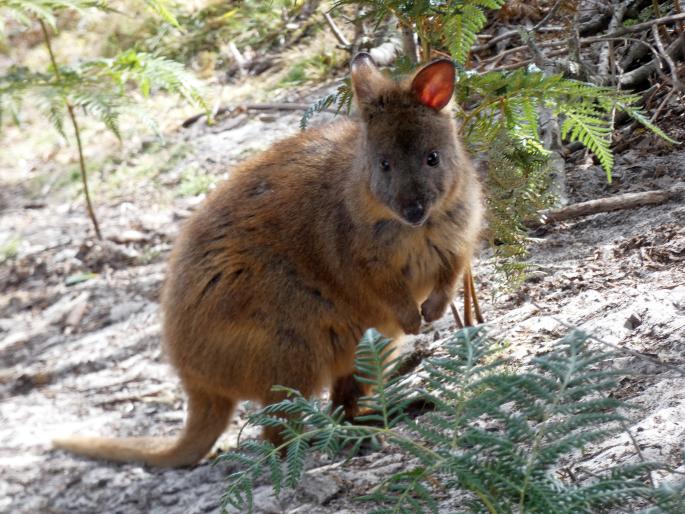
(341, 99)
(195, 182)
(451, 24)
(311, 425)
(461, 24)
(517, 185)
(309, 69)
(249, 23)
(25, 12)
(511, 101)
(101, 87)
(500, 437)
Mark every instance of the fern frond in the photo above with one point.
(342, 99)
(161, 9)
(149, 71)
(497, 435)
(10, 103)
(463, 27)
(101, 104)
(375, 366)
(24, 11)
(639, 116)
(52, 104)
(584, 124)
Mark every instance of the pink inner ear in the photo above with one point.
(434, 84)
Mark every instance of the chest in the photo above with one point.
(422, 262)
(416, 256)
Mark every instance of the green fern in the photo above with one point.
(463, 23)
(583, 123)
(452, 24)
(162, 9)
(25, 12)
(496, 435)
(342, 99)
(101, 87)
(517, 188)
(312, 425)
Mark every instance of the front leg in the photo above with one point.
(409, 317)
(393, 292)
(435, 305)
(403, 306)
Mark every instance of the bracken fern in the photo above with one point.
(497, 436)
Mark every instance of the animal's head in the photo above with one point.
(411, 152)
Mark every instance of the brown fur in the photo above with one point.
(276, 277)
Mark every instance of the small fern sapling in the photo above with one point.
(497, 436)
(99, 87)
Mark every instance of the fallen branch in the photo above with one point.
(510, 34)
(638, 27)
(674, 51)
(612, 203)
(254, 107)
(664, 55)
(606, 54)
(636, 76)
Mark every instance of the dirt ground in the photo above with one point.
(80, 327)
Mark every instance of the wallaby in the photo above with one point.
(274, 279)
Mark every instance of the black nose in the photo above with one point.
(413, 212)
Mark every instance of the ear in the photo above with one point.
(433, 85)
(366, 78)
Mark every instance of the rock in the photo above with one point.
(319, 488)
(95, 256)
(632, 322)
(265, 500)
(129, 236)
(122, 311)
(181, 214)
(78, 310)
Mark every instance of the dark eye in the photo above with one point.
(433, 158)
(385, 165)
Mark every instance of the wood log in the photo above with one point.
(611, 203)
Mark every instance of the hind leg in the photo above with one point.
(298, 370)
(274, 434)
(346, 393)
(347, 390)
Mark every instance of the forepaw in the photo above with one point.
(411, 322)
(434, 307)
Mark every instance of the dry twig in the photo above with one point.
(664, 55)
(337, 32)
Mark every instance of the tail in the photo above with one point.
(208, 416)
